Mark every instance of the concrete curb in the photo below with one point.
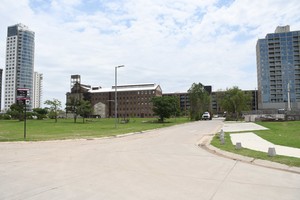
(205, 141)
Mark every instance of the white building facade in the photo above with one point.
(37, 90)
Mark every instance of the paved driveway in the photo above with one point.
(160, 164)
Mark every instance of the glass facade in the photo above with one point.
(278, 66)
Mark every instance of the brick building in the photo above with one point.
(133, 100)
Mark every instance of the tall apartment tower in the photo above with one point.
(278, 70)
(37, 90)
(19, 63)
(1, 72)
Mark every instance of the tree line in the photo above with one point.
(76, 107)
(233, 101)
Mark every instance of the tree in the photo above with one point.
(84, 109)
(199, 101)
(71, 106)
(165, 106)
(219, 95)
(40, 112)
(16, 111)
(235, 101)
(55, 105)
(78, 107)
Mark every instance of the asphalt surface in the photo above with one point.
(160, 164)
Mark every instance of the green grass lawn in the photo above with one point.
(280, 133)
(39, 130)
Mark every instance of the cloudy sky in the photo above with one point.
(173, 43)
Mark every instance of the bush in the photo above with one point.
(5, 117)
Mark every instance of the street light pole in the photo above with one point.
(289, 97)
(116, 99)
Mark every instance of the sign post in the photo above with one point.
(22, 98)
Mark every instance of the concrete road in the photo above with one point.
(160, 164)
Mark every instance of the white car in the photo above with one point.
(205, 116)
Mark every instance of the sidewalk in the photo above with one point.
(241, 126)
(252, 141)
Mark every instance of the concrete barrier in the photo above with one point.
(271, 151)
(238, 145)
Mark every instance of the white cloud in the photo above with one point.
(173, 42)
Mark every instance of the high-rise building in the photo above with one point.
(37, 90)
(278, 70)
(19, 63)
(1, 71)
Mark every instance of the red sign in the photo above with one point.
(22, 98)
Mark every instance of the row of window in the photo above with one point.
(10, 41)
(10, 59)
(136, 115)
(11, 50)
(130, 109)
(12, 38)
(146, 92)
(276, 36)
(11, 45)
(121, 96)
(130, 100)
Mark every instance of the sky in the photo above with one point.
(173, 43)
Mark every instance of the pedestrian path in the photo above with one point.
(252, 141)
(242, 126)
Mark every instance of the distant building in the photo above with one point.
(133, 100)
(19, 63)
(184, 101)
(217, 97)
(1, 72)
(37, 90)
(278, 70)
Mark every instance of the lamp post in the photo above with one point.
(255, 107)
(289, 97)
(116, 99)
